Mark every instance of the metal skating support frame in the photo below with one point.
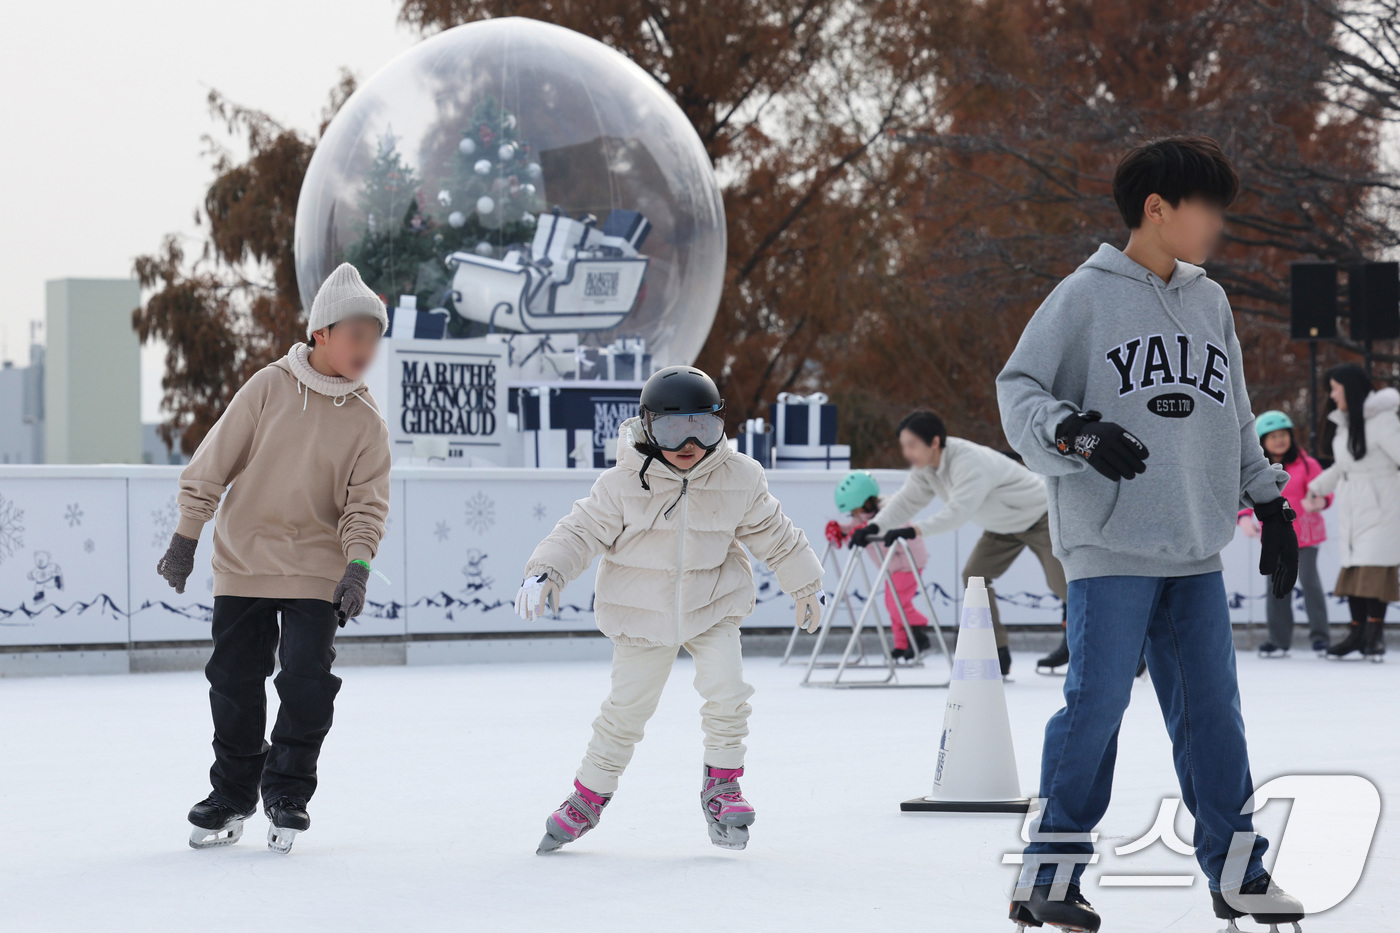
(841, 597)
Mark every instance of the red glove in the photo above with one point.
(834, 534)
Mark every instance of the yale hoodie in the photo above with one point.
(1162, 360)
(672, 563)
(305, 459)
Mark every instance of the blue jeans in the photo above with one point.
(1183, 626)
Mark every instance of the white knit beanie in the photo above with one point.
(344, 294)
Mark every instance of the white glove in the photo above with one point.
(535, 595)
(809, 611)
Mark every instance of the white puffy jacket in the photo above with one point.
(672, 565)
(1368, 490)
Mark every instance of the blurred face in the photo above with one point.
(1278, 442)
(686, 457)
(350, 345)
(916, 452)
(1191, 230)
(1338, 394)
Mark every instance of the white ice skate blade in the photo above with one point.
(280, 839)
(729, 837)
(1273, 927)
(201, 838)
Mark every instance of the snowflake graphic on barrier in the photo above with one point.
(89, 546)
(73, 516)
(442, 531)
(540, 512)
(165, 518)
(480, 513)
(11, 528)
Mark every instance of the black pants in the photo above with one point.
(245, 638)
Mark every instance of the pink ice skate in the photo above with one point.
(727, 814)
(575, 816)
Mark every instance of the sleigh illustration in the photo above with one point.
(578, 276)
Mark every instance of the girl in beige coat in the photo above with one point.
(670, 522)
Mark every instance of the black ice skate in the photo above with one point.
(1355, 641)
(1073, 913)
(1057, 658)
(1271, 650)
(1375, 641)
(1261, 899)
(286, 817)
(215, 824)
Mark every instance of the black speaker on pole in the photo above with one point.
(1375, 301)
(1314, 300)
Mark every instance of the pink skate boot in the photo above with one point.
(727, 814)
(575, 816)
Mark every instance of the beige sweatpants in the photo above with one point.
(994, 553)
(638, 677)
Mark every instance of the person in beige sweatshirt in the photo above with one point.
(303, 453)
(671, 521)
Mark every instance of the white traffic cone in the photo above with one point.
(976, 769)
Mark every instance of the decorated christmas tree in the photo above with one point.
(398, 235)
(489, 203)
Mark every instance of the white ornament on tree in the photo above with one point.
(484, 249)
(528, 190)
(457, 219)
(528, 219)
(482, 166)
(467, 146)
(485, 204)
(506, 152)
(534, 170)
(445, 198)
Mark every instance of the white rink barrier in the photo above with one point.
(79, 545)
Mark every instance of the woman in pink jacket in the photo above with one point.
(1276, 437)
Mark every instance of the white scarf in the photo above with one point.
(332, 386)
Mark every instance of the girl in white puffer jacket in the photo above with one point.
(670, 522)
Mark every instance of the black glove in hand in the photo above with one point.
(1278, 545)
(178, 562)
(349, 597)
(895, 534)
(861, 536)
(1109, 449)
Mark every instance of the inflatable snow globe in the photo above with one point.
(520, 178)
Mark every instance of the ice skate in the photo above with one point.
(1271, 650)
(1355, 641)
(1274, 904)
(575, 816)
(1073, 913)
(727, 814)
(286, 818)
(1374, 649)
(1319, 647)
(215, 824)
(1057, 658)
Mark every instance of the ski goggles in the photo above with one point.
(672, 432)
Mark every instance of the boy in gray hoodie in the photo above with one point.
(1136, 352)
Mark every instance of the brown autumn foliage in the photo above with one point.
(903, 183)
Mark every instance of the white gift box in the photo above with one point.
(756, 440)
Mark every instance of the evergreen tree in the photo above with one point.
(398, 236)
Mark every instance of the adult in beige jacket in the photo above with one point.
(674, 572)
(978, 485)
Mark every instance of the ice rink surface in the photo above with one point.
(436, 781)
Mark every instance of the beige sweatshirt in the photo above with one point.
(308, 459)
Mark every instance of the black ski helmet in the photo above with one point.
(680, 390)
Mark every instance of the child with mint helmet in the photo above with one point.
(858, 495)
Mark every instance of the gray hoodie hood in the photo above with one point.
(1162, 360)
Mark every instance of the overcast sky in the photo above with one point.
(103, 106)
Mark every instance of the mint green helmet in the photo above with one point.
(857, 487)
(1271, 421)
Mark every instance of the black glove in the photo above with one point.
(861, 536)
(349, 597)
(178, 562)
(895, 534)
(1108, 447)
(1278, 545)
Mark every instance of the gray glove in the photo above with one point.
(349, 597)
(178, 562)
